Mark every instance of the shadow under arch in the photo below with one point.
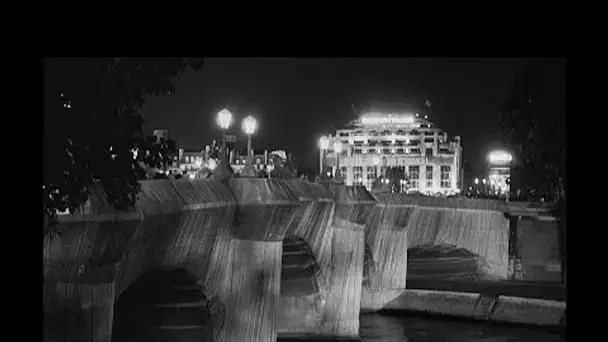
(444, 262)
(299, 270)
(164, 305)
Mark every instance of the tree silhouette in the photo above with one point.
(93, 125)
(533, 125)
(283, 169)
(154, 154)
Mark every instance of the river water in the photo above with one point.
(414, 328)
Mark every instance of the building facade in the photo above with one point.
(375, 142)
(262, 160)
(192, 161)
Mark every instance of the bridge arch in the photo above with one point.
(165, 305)
(299, 270)
(444, 262)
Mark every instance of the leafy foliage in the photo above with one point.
(283, 169)
(533, 127)
(93, 123)
(154, 154)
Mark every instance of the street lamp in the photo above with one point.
(323, 146)
(337, 149)
(249, 126)
(224, 120)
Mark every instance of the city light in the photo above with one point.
(338, 146)
(500, 157)
(383, 119)
(211, 164)
(250, 125)
(324, 143)
(224, 119)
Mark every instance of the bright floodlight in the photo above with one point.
(500, 157)
(338, 146)
(250, 125)
(324, 143)
(211, 164)
(224, 118)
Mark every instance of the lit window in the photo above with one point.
(429, 176)
(358, 175)
(414, 173)
(371, 173)
(445, 177)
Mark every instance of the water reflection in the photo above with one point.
(415, 328)
(385, 328)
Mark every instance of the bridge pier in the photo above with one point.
(78, 312)
(343, 304)
(386, 235)
(342, 307)
(247, 282)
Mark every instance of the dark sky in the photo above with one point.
(297, 99)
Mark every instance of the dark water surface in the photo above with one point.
(411, 328)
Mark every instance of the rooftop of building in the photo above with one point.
(390, 121)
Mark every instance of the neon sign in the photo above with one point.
(380, 119)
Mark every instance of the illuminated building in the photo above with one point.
(261, 161)
(499, 174)
(376, 141)
(192, 161)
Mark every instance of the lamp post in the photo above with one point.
(337, 150)
(323, 146)
(249, 127)
(224, 120)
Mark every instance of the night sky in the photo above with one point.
(297, 99)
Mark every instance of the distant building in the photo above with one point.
(410, 141)
(262, 160)
(161, 133)
(190, 160)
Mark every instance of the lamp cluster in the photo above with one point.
(224, 120)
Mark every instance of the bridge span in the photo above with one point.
(268, 256)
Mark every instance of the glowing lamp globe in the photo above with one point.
(224, 119)
(324, 143)
(250, 125)
(338, 146)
